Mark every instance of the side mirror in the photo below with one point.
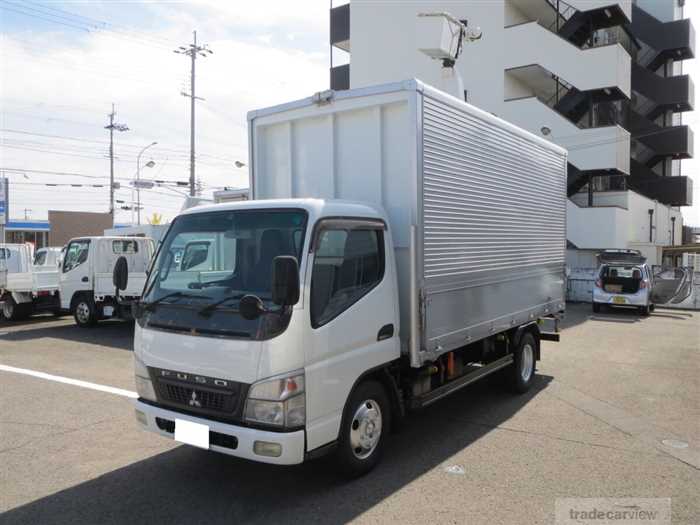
(120, 275)
(251, 307)
(285, 280)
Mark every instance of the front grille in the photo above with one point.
(202, 399)
(222, 399)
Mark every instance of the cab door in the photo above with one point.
(353, 317)
(75, 273)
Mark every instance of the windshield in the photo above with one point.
(218, 257)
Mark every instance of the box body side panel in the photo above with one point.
(493, 227)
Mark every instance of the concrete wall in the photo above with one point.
(621, 220)
(664, 10)
(68, 224)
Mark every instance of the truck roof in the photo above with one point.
(405, 85)
(316, 207)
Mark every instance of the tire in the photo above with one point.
(13, 311)
(644, 310)
(85, 312)
(366, 423)
(596, 308)
(521, 373)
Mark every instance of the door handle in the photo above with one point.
(385, 332)
(85, 279)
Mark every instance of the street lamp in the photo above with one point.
(149, 164)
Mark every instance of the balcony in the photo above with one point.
(340, 27)
(674, 141)
(667, 40)
(340, 77)
(676, 93)
(595, 151)
(597, 227)
(599, 68)
(672, 191)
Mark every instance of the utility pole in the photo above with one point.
(192, 50)
(111, 127)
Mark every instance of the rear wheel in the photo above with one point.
(85, 312)
(520, 374)
(364, 428)
(596, 308)
(644, 310)
(13, 311)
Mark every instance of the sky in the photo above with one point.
(63, 64)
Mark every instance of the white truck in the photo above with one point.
(399, 245)
(28, 280)
(86, 276)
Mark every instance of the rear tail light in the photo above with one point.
(643, 284)
(598, 283)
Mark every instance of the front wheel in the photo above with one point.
(363, 430)
(522, 371)
(85, 312)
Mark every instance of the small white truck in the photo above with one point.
(400, 244)
(28, 280)
(85, 281)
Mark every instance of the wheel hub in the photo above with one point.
(83, 312)
(366, 429)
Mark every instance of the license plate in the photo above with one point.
(619, 300)
(190, 433)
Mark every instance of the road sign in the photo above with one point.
(4, 201)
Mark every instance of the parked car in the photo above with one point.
(624, 279)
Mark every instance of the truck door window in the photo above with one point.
(40, 258)
(347, 265)
(76, 254)
(125, 247)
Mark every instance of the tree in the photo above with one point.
(155, 219)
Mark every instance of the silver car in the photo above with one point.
(624, 279)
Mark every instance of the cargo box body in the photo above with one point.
(477, 206)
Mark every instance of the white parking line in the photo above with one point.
(69, 381)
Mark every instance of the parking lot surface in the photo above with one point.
(614, 412)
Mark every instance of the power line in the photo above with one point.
(74, 21)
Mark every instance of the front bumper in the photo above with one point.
(293, 443)
(641, 298)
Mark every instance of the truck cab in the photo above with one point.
(261, 377)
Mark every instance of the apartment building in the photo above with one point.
(602, 78)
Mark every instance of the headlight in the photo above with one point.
(144, 386)
(279, 401)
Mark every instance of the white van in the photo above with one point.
(86, 286)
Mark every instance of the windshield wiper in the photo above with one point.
(208, 309)
(151, 304)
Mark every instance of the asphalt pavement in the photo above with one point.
(614, 412)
